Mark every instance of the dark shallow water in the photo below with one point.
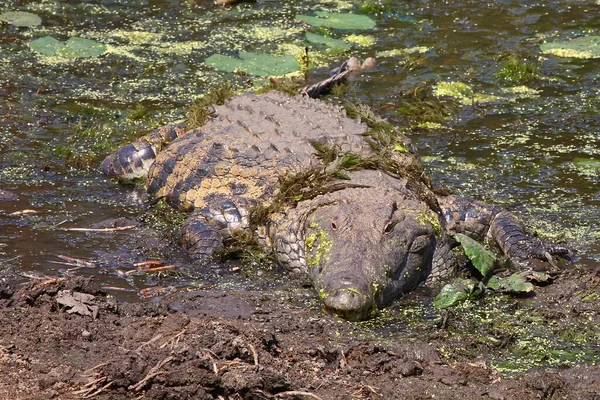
(516, 151)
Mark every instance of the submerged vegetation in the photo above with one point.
(516, 70)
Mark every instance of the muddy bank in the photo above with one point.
(251, 345)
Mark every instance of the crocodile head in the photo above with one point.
(366, 247)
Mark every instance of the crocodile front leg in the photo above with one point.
(482, 221)
(207, 229)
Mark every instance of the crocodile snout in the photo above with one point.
(348, 295)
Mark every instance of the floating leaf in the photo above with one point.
(581, 47)
(456, 292)
(327, 41)
(21, 18)
(254, 64)
(46, 45)
(586, 163)
(481, 258)
(75, 47)
(338, 20)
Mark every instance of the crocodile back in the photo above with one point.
(244, 148)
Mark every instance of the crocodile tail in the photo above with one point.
(134, 160)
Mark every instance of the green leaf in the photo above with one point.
(254, 64)
(586, 163)
(516, 283)
(46, 45)
(581, 47)
(456, 292)
(338, 20)
(75, 47)
(21, 18)
(336, 44)
(481, 258)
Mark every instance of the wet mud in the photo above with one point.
(65, 338)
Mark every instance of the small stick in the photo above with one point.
(254, 354)
(151, 374)
(76, 261)
(119, 228)
(154, 339)
(116, 288)
(89, 389)
(87, 396)
(23, 212)
(157, 269)
(93, 368)
(149, 262)
(297, 393)
(172, 339)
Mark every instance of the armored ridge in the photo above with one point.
(366, 240)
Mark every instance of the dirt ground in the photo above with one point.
(66, 339)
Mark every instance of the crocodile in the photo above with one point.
(370, 232)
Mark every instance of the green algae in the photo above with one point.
(318, 245)
(463, 93)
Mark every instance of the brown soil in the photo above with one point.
(250, 345)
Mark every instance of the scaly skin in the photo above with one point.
(364, 242)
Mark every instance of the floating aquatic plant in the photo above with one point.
(254, 64)
(332, 43)
(338, 20)
(21, 18)
(581, 47)
(75, 47)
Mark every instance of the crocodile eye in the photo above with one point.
(333, 226)
(389, 228)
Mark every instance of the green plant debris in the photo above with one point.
(74, 47)
(402, 52)
(254, 64)
(483, 260)
(330, 42)
(199, 112)
(582, 47)
(373, 7)
(516, 70)
(345, 21)
(457, 292)
(21, 18)
(463, 93)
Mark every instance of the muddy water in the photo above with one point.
(517, 151)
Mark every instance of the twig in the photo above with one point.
(89, 389)
(93, 368)
(154, 339)
(119, 228)
(172, 339)
(76, 261)
(145, 263)
(97, 392)
(297, 393)
(151, 374)
(254, 354)
(155, 269)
